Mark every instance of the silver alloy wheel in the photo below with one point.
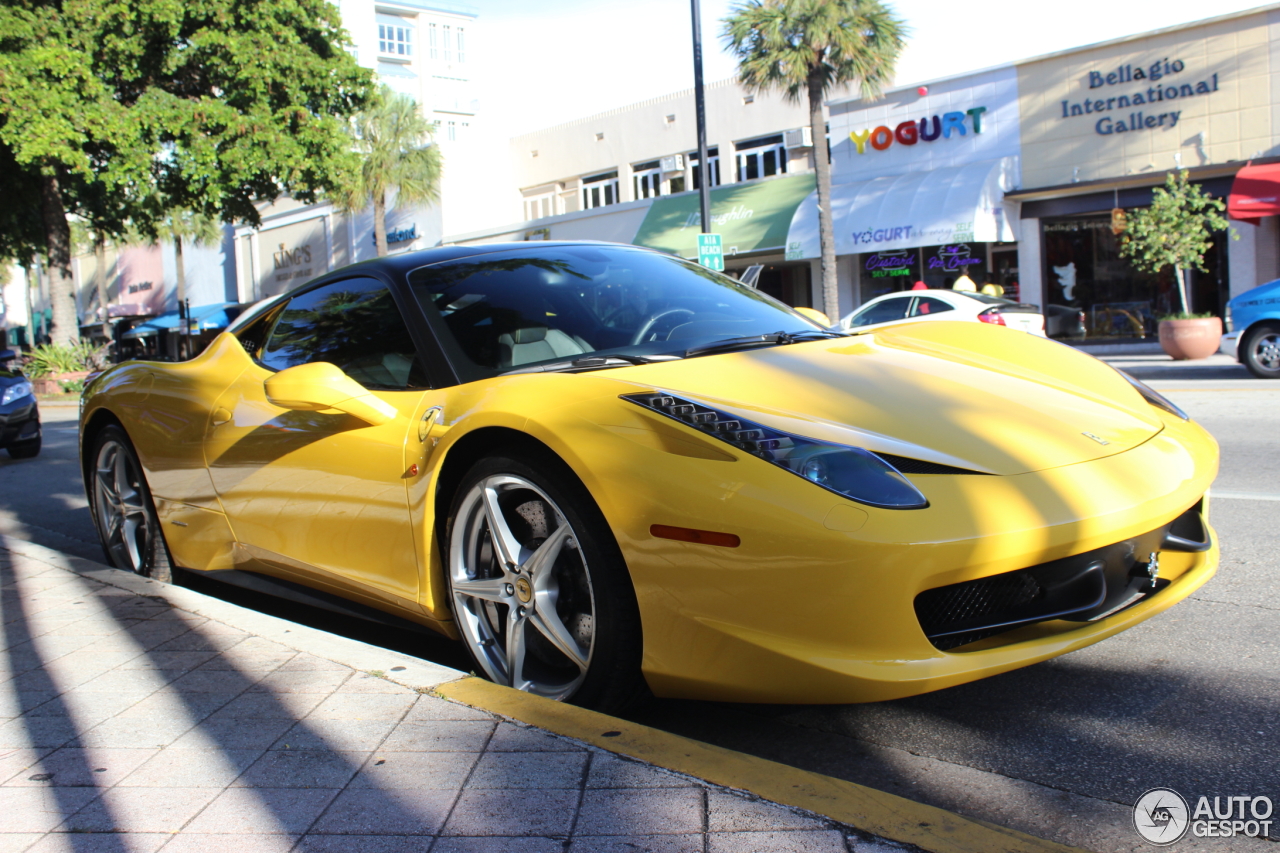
(1266, 351)
(123, 515)
(521, 588)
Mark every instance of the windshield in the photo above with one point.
(515, 309)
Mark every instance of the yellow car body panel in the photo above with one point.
(816, 603)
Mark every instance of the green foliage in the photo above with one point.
(51, 359)
(393, 142)
(1185, 315)
(73, 386)
(789, 44)
(209, 104)
(1175, 231)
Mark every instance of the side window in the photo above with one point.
(354, 324)
(882, 312)
(929, 305)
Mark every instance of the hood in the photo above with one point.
(964, 394)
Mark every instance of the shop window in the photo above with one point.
(761, 158)
(942, 265)
(646, 179)
(1083, 270)
(600, 190)
(713, 167)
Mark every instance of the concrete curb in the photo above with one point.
(865, 809)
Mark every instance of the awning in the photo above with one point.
(960, 204)
(1255, 193)
(203, 317)
(751, 217)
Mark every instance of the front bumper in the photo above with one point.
(817, 603)
(19, 421)
(1230, 345)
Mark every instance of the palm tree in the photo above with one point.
(394, 141)
(808, 47)
(181, 225)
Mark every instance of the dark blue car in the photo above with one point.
(19, 415)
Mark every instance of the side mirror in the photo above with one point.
(814, 315)
(321, 386)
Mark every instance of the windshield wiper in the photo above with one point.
(591, 362)
(769, 339)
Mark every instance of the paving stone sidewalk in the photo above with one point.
(130, 724)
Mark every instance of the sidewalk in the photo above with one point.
(137, 716)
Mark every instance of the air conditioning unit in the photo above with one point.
(674, 163)
(801, 137)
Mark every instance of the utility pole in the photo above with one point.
(704, 170)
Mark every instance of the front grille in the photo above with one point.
(980, 600)
(918, 466)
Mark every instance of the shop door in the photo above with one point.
(1004, 272)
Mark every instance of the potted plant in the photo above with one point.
(1189, 336)
(54, 368)
(1175, 231)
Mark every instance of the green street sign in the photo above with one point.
(711, 251)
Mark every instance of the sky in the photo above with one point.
(546, 62)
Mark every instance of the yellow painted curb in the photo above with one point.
(877, 812)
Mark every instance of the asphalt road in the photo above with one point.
(1187, 700)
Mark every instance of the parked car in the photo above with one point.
(1253, 330)
(19, 412)
(1064, 321)
(912, 306)
(606, 470)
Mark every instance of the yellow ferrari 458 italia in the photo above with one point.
(607, 470)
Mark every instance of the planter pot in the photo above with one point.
(1190, 339)
(53, 384)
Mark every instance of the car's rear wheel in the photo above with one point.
(1260, 352)
(122, 508)
(24, 449)
(539, 589)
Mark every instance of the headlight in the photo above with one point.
(15, 392)
(851, 472)
(1154, 397)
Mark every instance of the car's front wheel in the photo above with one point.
(1260, 352)
(122, 507)
(539, 589)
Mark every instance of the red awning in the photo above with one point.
(1255, 193)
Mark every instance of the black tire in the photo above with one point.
(28, 449)
(126, 521)
(581, 594)
(1260, 352)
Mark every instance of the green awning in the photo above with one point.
(751, 217)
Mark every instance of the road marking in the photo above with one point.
(877, 812)
(1243, 496)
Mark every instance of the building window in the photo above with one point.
(600, 190)
(452, 132)
(395, 40)
(461, 44)
(433, 41)
(713, 166)
(761, 158)
(448, 43)
(646, 179)
(539, 207)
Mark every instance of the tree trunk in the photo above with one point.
(826, 228)
(100, 261)
(66, 326)
(184, 333)
(380, 222)
(1180, 275)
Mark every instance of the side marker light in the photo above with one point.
(688, 534)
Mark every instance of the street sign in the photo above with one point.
(711, 251)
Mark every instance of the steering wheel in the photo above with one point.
(647, 329)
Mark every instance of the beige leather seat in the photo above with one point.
(538, 343)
